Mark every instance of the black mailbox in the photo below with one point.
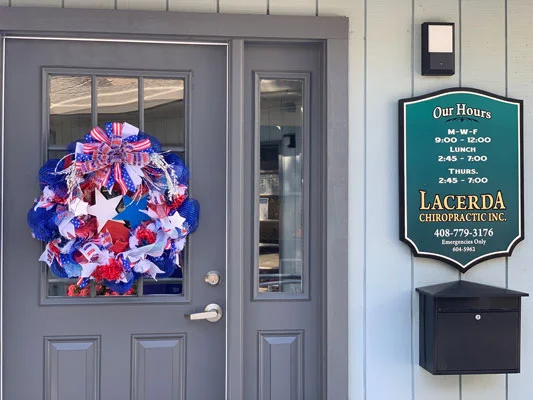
(469, 328)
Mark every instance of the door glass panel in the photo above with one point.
(164, 111)
(117, 99)
(163, 286)
(279, 197)
(60, 287)
(70, 108)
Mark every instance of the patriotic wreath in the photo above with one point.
(113, 210)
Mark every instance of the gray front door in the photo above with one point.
(96, 346)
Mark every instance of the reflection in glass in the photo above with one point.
(280, 186)
(56, 154)
(64, 287)
(163, 286)
(60, 288)
(117, 100)
(70, 108)
(170, 285)
(103, 291)
(164, 110)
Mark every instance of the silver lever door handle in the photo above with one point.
(212, 313)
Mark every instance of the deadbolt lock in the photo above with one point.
(212, 278)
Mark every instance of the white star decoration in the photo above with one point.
(146, 266)
(171, 224)
(104, 209)
(176, 220)
(78, 207)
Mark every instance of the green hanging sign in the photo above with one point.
(461, 175)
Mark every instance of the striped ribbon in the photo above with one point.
(109, 154)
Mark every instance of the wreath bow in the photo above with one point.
(115, 154)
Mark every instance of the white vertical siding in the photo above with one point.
(159, 5)
(388, 261)
(483, 66)
(36, 3)
(89, 4)
(243, 6)
(293, 7)
(193, 5)
(520, 78)
(428, 272)
(483, 58)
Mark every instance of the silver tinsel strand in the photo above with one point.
(158, 161)
(72, 177)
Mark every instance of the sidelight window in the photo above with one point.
(281, 185)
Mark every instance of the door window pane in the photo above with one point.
(172, 285)
(70, 108)
(280, 186)
(117, 100)
(164, 111)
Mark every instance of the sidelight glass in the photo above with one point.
(279, 196)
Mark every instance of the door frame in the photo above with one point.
(235, 30)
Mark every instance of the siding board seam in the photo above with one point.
(365, 200)
(459, 33)
(412, 258)
(506, 77)
(506, 28)
(459, 50)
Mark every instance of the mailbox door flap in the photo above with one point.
(483, 342)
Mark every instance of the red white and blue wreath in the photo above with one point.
(113, 210)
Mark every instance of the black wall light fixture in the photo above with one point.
(438, 48)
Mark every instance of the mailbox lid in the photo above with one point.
(477, 304)
(466, 289)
